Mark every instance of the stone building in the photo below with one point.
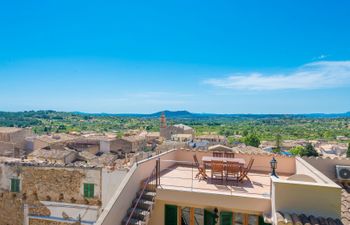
(182, 137)
(128, 144)
(213, 139)
(167, 131)
(152, 137)
(13, 141)
(44, 193)
(50, 141)
(63, 156)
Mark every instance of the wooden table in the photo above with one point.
(208, 159)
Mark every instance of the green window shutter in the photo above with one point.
(92, 190)
(17, 185)
(14, 185)
(209, 218)
(170, 216)
(89, 191)
(261, 221)
(226, 218)
(86, 191)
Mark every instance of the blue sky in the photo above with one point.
(202, 56)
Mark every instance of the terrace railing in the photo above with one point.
(151, 181)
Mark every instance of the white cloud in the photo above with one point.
(317, 75)
(320, 57)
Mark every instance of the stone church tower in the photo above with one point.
(163, 121)
(163, 126)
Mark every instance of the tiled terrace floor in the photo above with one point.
(183, 178)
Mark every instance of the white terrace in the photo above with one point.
(296, 190)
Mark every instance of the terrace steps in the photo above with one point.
(144, 207)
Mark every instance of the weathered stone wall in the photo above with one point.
(57, 184)
(121, 145)
(166, 132)
(7, 149)
(17, 137)
(11, 211)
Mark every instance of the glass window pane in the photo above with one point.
(253, 220)
(238, 218)
(185, 216)
(198, 216)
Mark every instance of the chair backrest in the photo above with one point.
(195, 160)
(218, 154)
(217, 165)
(229, 154)
(250, 164)
(233, 167)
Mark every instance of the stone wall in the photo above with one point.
(167, 132)
(7, 149)
(57, 184)
(11, 211)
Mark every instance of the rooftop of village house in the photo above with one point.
(183, 126)
(9, 129)
(51, 153)
(57, 137)
(133, 138)
(211, 136)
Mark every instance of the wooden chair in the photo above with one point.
(217, 168)
(246, 170)
(201, 174)
(229, 155)
(233, 169)
(218, 154)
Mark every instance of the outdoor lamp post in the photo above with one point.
(273, 167)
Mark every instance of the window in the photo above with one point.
(14, 185)
(253, 220)
(225, 218)
(198, 216)
(245, 219)
(209, 218)
(170, 216)
(238, 219)
(185, 216)
(89, 190)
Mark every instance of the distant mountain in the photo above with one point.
(186, 114)
(171, 114)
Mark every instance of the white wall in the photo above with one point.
(110, 183)
(309, 199)
(105, 146)
(92, 176)
(87, 213)
(6, 173)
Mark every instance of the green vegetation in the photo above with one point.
(252, 140)
(297, 150)
(309, 150)
(348, 151)
(265, 127)
(278, 144)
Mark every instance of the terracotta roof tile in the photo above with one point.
(302, 219)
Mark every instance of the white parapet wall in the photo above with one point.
(322, 197)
